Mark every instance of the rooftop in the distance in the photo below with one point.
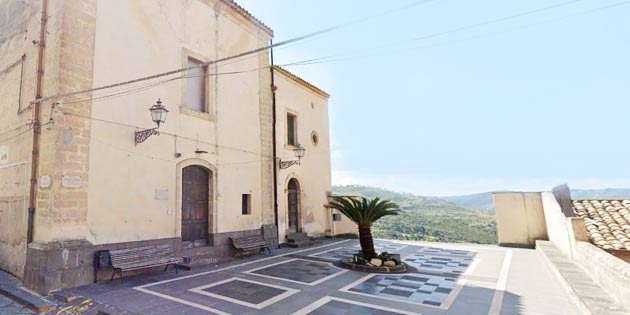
(246, 14)
(607, 222)
(301, 81)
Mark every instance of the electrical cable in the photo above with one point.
(239, 55)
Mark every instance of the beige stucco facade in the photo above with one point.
(105, 189)
(520, 218)
(309, 106)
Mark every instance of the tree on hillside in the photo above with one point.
(364, 212)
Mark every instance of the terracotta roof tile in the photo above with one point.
(607, 222)
(238, 8)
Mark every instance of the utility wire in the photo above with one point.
(239, 55)
(497, 20)
(341, 57)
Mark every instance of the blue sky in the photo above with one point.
(521, 104)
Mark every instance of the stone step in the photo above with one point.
(303, 243)
(11, 287)
(589, 297)
(297, 236)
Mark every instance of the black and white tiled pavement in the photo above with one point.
(306, 281)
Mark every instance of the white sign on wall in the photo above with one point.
(4, 154)
(161, 194)
(68, 181)
(45, 181)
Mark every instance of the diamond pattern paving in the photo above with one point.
(334, 307)
(445, 251)
(416, 288)
(445, 264)
(299, 270)
(245, 291)
(339, 253)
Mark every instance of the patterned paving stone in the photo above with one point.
(334, 307)
(386, 247)
(415, 288)
(339, 253)
(445, 264)
(299, 270)
(245, 291)
(445, 251)
(10, 307)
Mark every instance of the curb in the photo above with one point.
(11, 288)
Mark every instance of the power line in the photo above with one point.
(164, 133)
(336, 58)
(239, 55)
(14, 129)
(497, 20)
(136, 89)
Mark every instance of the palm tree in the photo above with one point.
(364, 212)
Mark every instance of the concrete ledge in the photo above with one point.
(610, 272)
(11, 287)
(589, 297)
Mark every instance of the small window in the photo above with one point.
(314, 138)
(246, 204)
(291, 130)
(196, 85)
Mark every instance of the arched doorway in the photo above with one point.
(293, 205)
(195, 202)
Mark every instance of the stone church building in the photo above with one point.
(88, 171)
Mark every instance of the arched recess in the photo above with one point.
(293, 205)
(191, 194)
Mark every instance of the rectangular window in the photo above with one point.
(246, 204)
(196, 85)
(291, 130)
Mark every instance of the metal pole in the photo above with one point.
(36, 123)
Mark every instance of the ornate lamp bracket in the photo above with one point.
(143, 135)
(287, 164)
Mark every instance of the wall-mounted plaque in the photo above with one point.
(161, 194)
(71, 181)
(45, 181)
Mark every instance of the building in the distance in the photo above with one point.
(103, 180)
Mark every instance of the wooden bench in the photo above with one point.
(142, 257)
(251, 243)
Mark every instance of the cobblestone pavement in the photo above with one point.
(10, 307)
(445, 279)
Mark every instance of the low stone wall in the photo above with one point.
(610, 272)
(222, 242)
(65, 264)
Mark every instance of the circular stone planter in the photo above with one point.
(382, 269)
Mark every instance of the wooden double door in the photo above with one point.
(195, 205)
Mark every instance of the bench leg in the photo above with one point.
(166, 268)
(121, 277)
(113, 274)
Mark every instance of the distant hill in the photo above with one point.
(466, 218)
(483, 201)
(606, 193)
(427, 218)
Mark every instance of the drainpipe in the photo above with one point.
(275, 154)
(36, 122)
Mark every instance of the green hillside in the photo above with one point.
(427, 218)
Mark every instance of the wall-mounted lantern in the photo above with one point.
(158, 115)
(299, 153)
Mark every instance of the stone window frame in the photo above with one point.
(294, 113)
(246, 204)
(209, 109)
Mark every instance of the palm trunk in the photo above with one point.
(367, 243)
